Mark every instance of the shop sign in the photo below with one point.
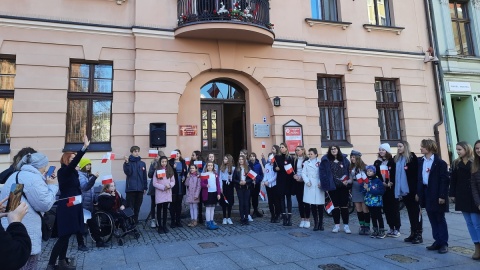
(188, 130)
(459, 87)
(293, 135)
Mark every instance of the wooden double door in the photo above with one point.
(222, 129)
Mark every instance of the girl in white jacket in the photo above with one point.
(270, 182)
(313, 194)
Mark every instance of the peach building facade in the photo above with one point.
(147, 63)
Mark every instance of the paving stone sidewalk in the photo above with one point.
(263, 245)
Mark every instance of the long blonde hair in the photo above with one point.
(406, 152)
(229, 164)
(468, 152)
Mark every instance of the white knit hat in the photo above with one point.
(386, 147)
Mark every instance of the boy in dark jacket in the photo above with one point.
(255, 166)
(374, 191)
(136, 182)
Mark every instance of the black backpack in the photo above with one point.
(6, 174)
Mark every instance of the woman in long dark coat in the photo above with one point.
(285, 183)
(69, 218)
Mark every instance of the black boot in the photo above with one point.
(320, 218)
(315, 218)
(289, 220)
(284, 218)
(417, 239)
(411, 236)
(256, 213)
(275, 219)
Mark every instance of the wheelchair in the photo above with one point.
(114, 225)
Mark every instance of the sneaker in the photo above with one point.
(153, 223)
(395, 234)
(224, 221)
(367, 230)
(336, 228)
(229, 221)
(381, 234)
(361, 230)
(346, 228)
(250, 219)
(389, 233)
(302, 223)
(306, 225)
(374, 233)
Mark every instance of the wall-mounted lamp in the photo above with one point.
(119, 2)
(276, 101)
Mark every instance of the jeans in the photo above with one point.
(243, 202)
(473, 225)
(254, 196)
(413, 209)
(59, 250)
(134, 200)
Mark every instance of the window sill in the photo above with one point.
(370, 27)
(4, 148)
(336, 143)
(313, 22)
(93, 147)
(392, 143)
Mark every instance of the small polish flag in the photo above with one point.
(74, 200)
(173, 154)
(329, 207)
(263, 145)
(198, 163)
(262, 195)
(152, 153)
(107, 179)
(289, 168)
(204, 176)
(187, 161)
(252, 174)
(384, 172)
(344, 178)
(225, 199)
(271, 158)
(108, 156)
(161, 174)
(362, 178)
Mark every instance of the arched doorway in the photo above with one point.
(222, 119)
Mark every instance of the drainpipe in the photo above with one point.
(437, 71)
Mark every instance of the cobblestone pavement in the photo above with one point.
(264, 245)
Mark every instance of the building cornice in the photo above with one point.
(302, 45)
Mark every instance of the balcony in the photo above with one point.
(237, 20)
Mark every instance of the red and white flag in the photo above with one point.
(187, 161)
(204, 176)
(252, 174)
(74, 200)
(344, 178)
(107, 179)
(198, 163)
(225, 199)
(329, 207)
(263, 145)
(262, 195)
(289, 168)
(362, 178)
(384, 172)
(152, 153)
(108, 156)
(271, 158)
(161, 174)
(174, 154)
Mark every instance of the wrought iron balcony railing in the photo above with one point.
(255, 12)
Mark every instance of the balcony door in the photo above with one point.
(222, 119)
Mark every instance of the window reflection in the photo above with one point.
(221, 90)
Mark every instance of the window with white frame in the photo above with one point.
(379, 12)
(7, 88)
(462, 34)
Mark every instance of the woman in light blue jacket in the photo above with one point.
(39, 194)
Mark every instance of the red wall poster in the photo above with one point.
(293, 138)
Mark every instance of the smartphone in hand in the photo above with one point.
(50, 171)
(15, 196)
